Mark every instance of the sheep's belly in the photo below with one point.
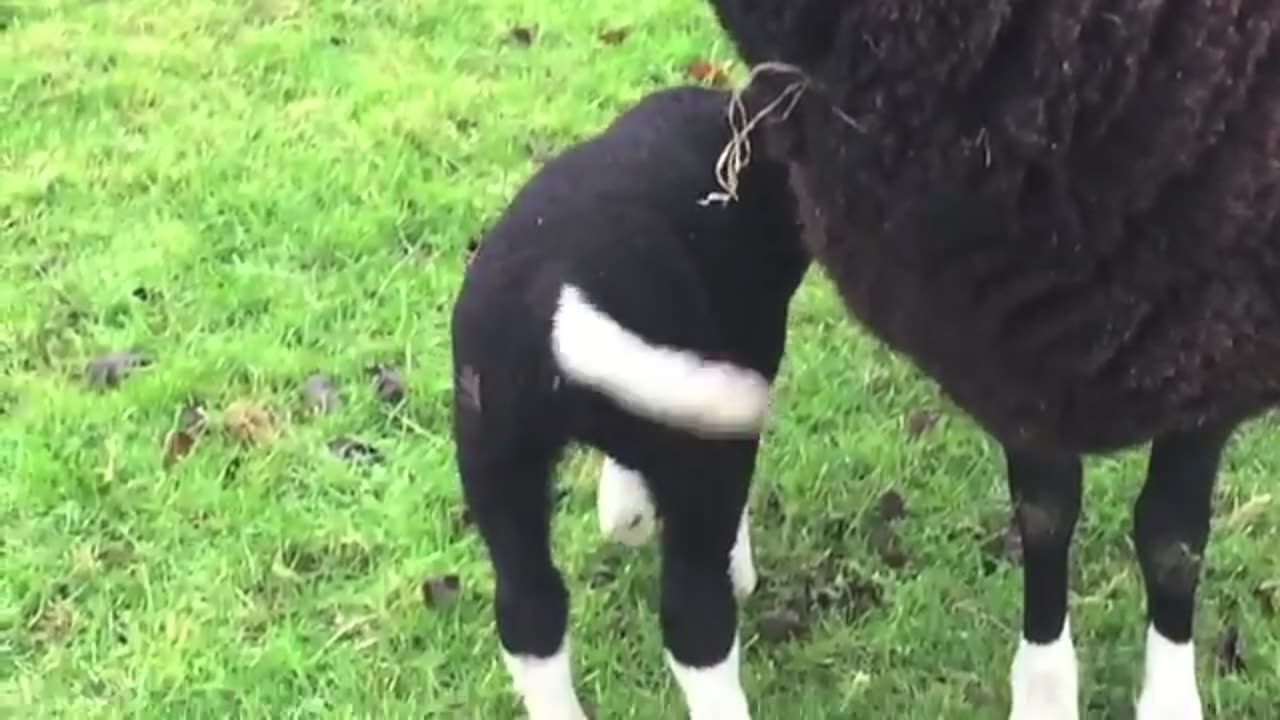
(1039, 352)
(1064, 388)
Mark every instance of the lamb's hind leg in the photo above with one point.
(701, 495)
(1170, 530)
(1046, 499)
(506, 490)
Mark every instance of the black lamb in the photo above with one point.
(609, 305)
(1063, 211)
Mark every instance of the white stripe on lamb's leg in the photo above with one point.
(545, 685)
(623, 505)
(715, 692)
(1169, 680)
(1044, 683)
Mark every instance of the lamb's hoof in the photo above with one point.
(625, 511)
(1044, 684)
(1169, 684)
(1170, 706)
(713, 692)
(545, 685)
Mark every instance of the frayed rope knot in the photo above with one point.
(737, 152)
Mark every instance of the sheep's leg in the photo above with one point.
(701, 497)
(627, 515)
(1170, 530)
(1046, 498)
(507, 494)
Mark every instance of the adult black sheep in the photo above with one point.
(1064, 211)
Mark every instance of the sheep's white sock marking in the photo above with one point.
(1169, 681)
(1043, 679)
(669, 385)
(712, 693)
(545, 685)
(623, 505)
(742, 567)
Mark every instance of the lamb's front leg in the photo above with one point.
(1171, 528)
(1046, 499)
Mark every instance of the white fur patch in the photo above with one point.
(1043, 680)
(623, 505)
(545, 685)
(670, 385)
(712, 693)
(1169, 681)
(742, 567)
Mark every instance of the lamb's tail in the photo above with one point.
(670, 385)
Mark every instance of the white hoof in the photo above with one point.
(1169, 681)
(1043, 680)
(623, 505)
(742, 567)
(712, 693)
(545, 685)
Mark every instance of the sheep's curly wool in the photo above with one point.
(1062, 210)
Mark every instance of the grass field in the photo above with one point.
(247, 193)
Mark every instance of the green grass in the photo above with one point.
(292, 185)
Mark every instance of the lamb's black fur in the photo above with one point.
(619, 217)
(1065, 212)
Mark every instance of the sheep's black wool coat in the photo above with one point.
(1062, 210)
